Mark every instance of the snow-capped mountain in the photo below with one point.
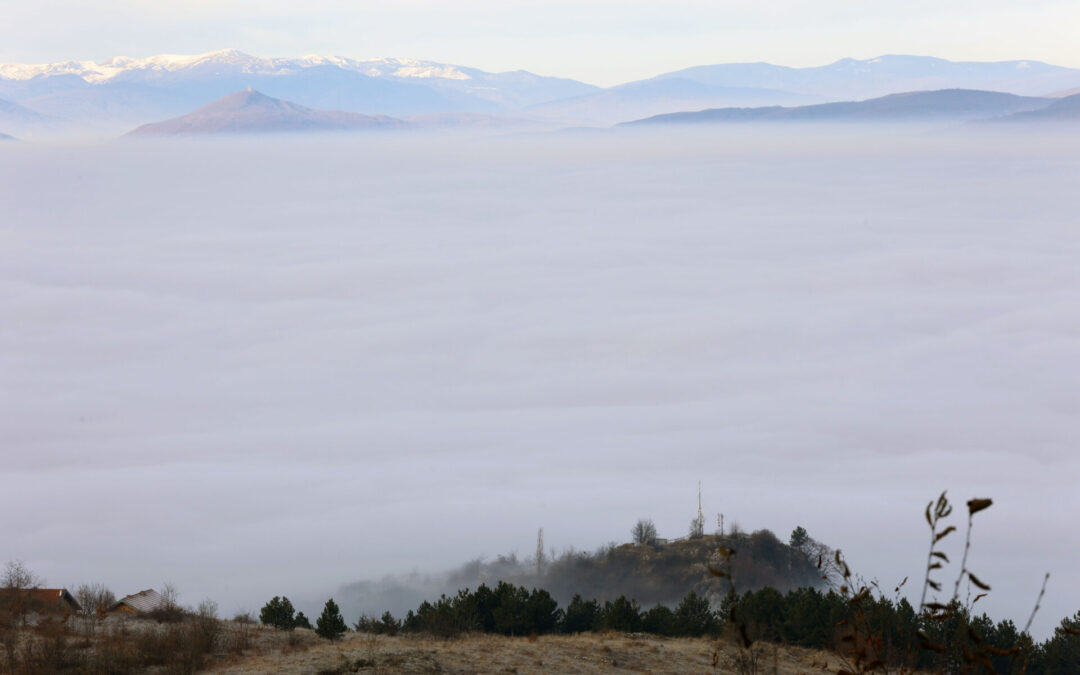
(123, 91)
(230, 60)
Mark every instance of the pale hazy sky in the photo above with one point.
(599, 41)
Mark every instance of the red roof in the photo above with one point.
(38, 599)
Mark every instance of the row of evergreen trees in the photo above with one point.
(514, 610)
(806, 617)
(947, 640)
(280, 614)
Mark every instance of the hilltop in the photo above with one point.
(660, 573)
(252, 112)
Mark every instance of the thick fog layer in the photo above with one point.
(274, 367)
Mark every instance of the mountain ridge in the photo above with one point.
(744, 84)
(907, 72)
(1065, 109)
(170, 84)
(945, 104)
(122, 92)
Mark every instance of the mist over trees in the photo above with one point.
(806, 617)
(652, 573)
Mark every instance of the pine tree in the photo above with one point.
(278, 613)
(330, 623)
(301, 621)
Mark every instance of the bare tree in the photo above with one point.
(94, 599)
(697, 528)
(169, 610)
(15, 581)
(644, 532)
(17, 576)
(170, 598)
(824, 558)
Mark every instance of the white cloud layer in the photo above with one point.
(274, 367)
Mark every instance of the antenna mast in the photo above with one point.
(700, 515)
(539, 551)
(698, 528)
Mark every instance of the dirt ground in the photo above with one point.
(590, 653)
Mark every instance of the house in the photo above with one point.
(143, 602)
(39, 600)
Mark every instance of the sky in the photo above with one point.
(603, 42)
(263, 368)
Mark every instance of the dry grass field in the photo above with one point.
(586, 653)
(122, 646)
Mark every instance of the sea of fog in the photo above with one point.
(263, 367)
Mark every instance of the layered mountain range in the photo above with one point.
(117, 95)
(946, 105)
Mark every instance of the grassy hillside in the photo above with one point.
(600, 653)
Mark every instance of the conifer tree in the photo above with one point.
(330, 623)
(301, 621)
(278, 613)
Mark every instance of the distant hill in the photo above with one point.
(651, 574)
(5, 137)
(22, 119)
(251, 112)
(1062, 110)
(944, 105)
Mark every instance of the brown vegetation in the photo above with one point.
(121, 644)
(584, 653)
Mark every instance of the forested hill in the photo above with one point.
(650, 573)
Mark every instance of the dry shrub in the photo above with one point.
(239, 638)
(298, 641)
(180, 648)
